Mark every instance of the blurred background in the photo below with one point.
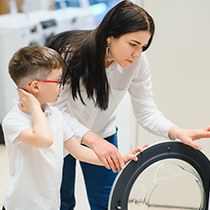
(179, 59)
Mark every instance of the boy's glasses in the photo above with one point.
(48, 81)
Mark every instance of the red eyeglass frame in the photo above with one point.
(47, 81)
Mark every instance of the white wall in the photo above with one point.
(179, 58)
(126, 126)
(180, 63)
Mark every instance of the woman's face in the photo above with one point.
(126, 49)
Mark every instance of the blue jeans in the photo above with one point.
(98, 181)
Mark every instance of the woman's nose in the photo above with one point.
(137, 54)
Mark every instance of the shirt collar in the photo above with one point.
(47, 110)
(46, 107)
(115, 66)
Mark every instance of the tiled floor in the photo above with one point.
(81, 198)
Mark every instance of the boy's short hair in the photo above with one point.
(34, 62)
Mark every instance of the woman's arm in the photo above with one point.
(189, 136)
(148, 115)
(101, 147)
(86, 154)
(105, 151)
(78, 128)
(145, 110)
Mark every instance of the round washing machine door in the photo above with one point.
(167, 175)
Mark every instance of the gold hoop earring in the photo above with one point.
(108, 51)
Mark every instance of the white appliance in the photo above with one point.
(56, 21)
(32, 28)
(166, 176)
(47, 22)
(16, 31)
(73, 18)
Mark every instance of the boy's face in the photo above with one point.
(50, 91)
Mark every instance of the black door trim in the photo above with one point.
(163, 150)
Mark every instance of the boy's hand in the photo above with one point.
(27, 101)
(131, 155)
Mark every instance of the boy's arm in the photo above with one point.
(80, 152)
(40, 135)
(86, 154)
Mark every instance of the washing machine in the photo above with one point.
(74, 18)
(167, 175)
(56, 21)
(16, 31)
(47, 21)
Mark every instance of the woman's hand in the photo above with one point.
(189, 136)
(131, 155)
(109, 155)
(107, 152)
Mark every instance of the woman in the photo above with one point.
(101, 66)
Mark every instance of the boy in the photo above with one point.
(35, 133)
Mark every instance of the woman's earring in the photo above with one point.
(108, 51)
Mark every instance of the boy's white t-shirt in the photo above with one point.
(36, 173)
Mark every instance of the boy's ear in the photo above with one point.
(35, 86)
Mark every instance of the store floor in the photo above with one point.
(81, 198)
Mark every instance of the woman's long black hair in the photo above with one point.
(84, 50)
